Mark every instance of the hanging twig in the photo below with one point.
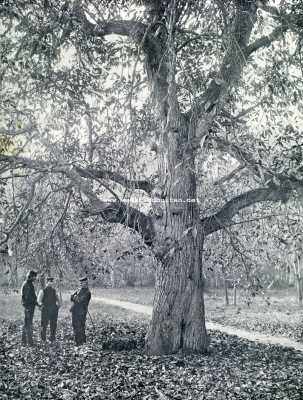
(24, 208)
(66, 205)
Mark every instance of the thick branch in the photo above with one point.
(210, 103)
(152, 43)
(256, 167)
(287, 22)
(243, 157)
(266, 41)
(117, 212)
(16, 132)
(229, 176)
(135, 30)
(37, 165)
(274, 11)
(115, 177)
(223, 217)
(46, 166)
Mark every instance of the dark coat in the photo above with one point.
(49, 300)
(80, 299)
(29, 298)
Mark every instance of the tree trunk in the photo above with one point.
(298, 278)
(225, 282)
(299, 288)
(235, 295)
(226, 292)
(178, 320)
(14, 281)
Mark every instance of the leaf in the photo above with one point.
(186, 232)
(178, 165)
(161, 394)
(207, 105)
(219, 81)
(203, 141)
(261, 173)
(172, 251)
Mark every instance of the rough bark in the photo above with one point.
(178, 320)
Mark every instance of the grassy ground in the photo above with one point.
(137, 295)
(281, 316)
(11, 308)
(278, 313)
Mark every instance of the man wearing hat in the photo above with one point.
(79, 309)
(29, 302)
(49, 301)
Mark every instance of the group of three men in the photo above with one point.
(49, 303)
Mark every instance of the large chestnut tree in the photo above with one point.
(199, 70)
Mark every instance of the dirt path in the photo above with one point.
(230, 330)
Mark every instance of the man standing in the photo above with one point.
(29, 302)
(79, 309)
(50, 303)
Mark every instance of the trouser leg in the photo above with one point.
(24, 333)
(44, 324)
(27, 330)
(79, 328)
(53, 328)
(82, 330)
(75, 323)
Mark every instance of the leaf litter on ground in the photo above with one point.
(113, 366)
